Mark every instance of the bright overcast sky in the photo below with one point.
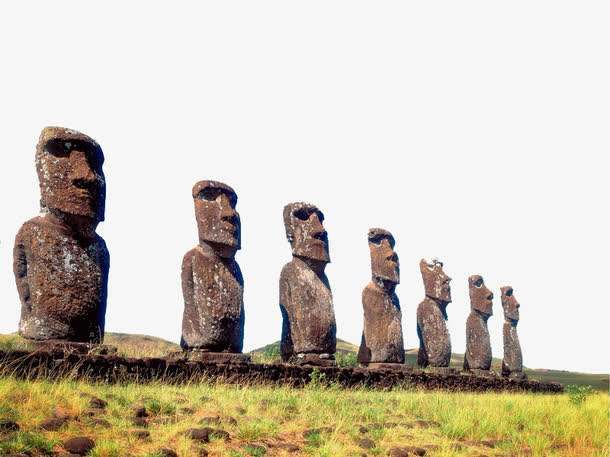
(474, 131)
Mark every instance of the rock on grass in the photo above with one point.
(205, 434)
(406, 451)
(8, 426)
(79, 445)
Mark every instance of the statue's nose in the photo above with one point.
(81, 170)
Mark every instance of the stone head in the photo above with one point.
(436, 282)
(480, 296)
(305, 232)
(510, 304)
(384, 261)
(69, 167)
(217, 221)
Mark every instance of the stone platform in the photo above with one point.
(60, 364)
(209, 357)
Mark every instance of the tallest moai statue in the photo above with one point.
(60, 263)
(309, 329)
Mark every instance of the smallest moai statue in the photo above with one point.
(512, 364)
(382, 342)
(478, 345)
(212, 283)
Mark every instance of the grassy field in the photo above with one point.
(319, 420)
(316, 421)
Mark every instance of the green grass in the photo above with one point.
(319, 421)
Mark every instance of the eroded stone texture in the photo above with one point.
(60, 263)
(308, 329)
(382, 340)
(212, 283)
(512, 364)
(478, 344)
(434, 340)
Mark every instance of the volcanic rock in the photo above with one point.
(478, 344)
(512, 363)
(382, 340)
(80, 445)
(305, 297)
(212, 283)
(434, 340)
(60, 263)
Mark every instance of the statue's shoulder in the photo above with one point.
(427, 307)
(371, 290)
(290, 269)
(194, 253)
(36, 224)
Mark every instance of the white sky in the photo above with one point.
(474, 131)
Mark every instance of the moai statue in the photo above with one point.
(512, 364)
(382, 344)
(60, 263)
(306, 302)
(478, 345)
(212, 284)
(434, 340)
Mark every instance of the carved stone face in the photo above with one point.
(69, 166)
(480, 296)
(217, 220)
(510, 304)
(436, 282)
(384, 261)
(305, 232)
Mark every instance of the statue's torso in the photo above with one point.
(308, 308)
(435, 342)
(213, 314)
(66, 281)
(478, 344)
(513, 360)
(382, 339)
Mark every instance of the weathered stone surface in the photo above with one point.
(60, 263)
(52, 424)
(382, 340)
(205, 434)
(478, 344)
(113, 369)
(434, 340)
(165, 452)
(305, 297)
(212, 283)
(7, 425)
(512, 363)
(196, 355)
(80, 445)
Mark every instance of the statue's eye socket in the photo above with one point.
(58, 148)
(377, 240)
(509, 292)
(478, 282)
(209, 194)
(301, 214)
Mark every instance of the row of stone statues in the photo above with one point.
(61, 270)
